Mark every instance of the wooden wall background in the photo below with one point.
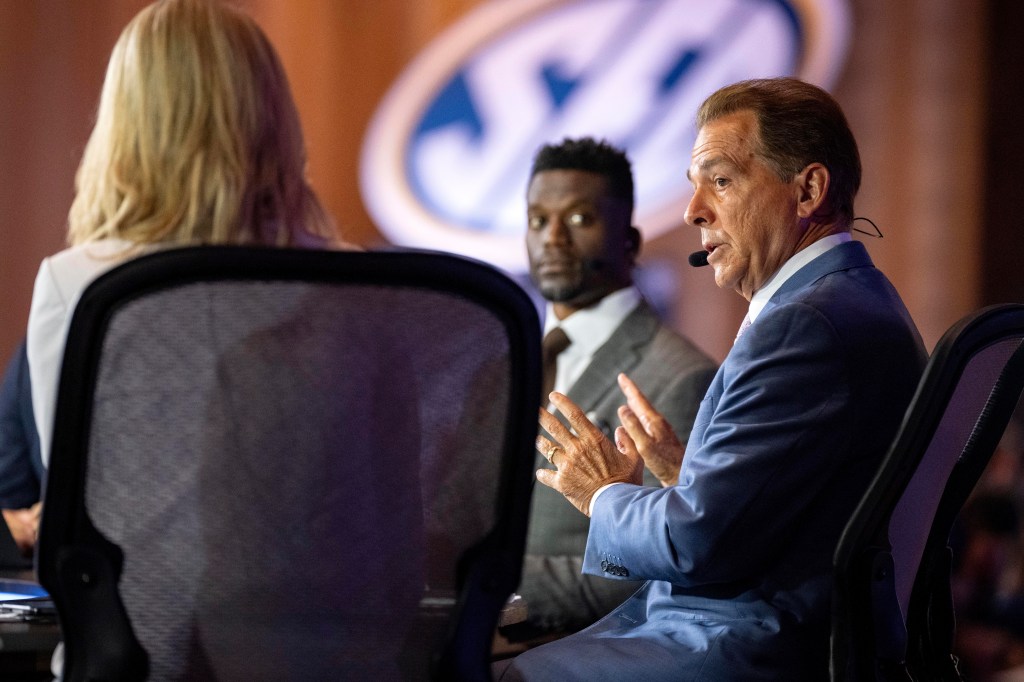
(929, 88)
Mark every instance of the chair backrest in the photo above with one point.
(892, 609)
(289, 464)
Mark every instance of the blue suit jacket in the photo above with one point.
(739, 553)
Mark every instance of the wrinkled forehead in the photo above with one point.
(566, 185)
(730, 139)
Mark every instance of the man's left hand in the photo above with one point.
(655, 440)
(24, 526)
(587, 460)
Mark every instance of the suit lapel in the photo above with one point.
(619, 354)
(843, 257)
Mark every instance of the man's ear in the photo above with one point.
(812, 184)
(633, 242)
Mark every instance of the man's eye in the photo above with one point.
(577, 219)
(721, 182)
(535, 222)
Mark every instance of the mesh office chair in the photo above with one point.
(892, 606)
(285, 464)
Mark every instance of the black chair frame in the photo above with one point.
(870, 638)
(80, 568)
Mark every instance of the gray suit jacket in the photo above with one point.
(674, 374)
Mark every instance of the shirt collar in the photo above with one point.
(589, 328)
(799, 259)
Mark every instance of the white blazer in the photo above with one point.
(60, 282)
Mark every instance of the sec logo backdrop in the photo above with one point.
(445, 159)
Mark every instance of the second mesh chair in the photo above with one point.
(279, 464)
(892, 606)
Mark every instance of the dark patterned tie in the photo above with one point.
(555, 341)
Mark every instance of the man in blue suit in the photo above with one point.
(737, 547)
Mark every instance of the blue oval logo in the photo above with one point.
(445, 160)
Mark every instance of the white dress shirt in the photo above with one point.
(588, 330)
(799, 259)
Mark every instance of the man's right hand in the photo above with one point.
(653, 435)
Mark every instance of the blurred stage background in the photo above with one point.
(931, 87)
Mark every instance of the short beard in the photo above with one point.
(561, 293)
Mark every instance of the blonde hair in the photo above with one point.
(197, 139)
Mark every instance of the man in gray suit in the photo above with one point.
(582, 249)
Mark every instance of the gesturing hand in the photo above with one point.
(586, 461)
(651, 433)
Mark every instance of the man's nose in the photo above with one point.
(557, 232)
(698, 213)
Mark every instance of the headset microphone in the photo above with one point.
(698, 259)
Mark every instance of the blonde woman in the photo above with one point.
(197, 141)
